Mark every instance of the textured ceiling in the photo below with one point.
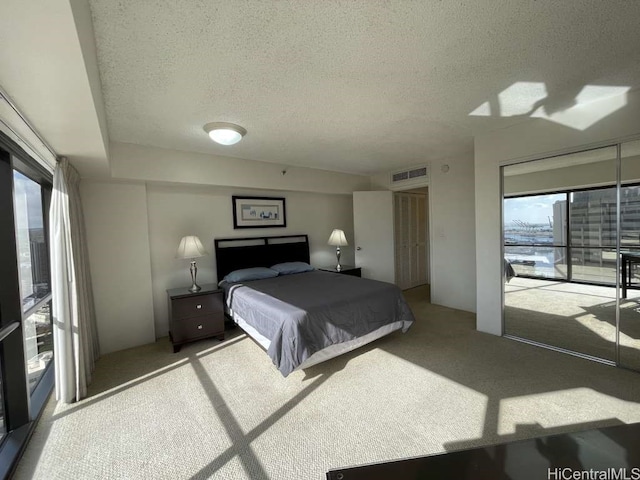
(360, 86)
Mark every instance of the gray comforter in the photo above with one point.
(305, 312)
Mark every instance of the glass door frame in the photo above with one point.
(618, 186)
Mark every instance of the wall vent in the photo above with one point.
(397, 177)
(410, 176)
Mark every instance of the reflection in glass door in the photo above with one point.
(568, 269)
(535, 235)
(559, 234)
(593, 235)
(629, 334)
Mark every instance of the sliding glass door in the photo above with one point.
(564, 212)
(629, 318)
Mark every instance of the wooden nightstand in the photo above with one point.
(194, 316)
(344, 270)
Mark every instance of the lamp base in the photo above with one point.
(338, 266)
(194, 273)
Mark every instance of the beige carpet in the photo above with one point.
(221, 410)
(574, 316)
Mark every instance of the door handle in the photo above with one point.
(358, 248)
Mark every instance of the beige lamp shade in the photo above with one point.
(190, 247)
(338, 238)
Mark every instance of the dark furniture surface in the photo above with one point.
(600, 449)
(344, 270)
(194, 316)
(237, 253)
(628, 260)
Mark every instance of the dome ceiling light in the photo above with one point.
(225, 133)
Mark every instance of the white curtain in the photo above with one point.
(75, 339)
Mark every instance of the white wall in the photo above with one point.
(118, 242)
(452, 228)
(580, 176)
(133, 228)
(14, 126)
(536, 138)
(84, 27)
(453, 254)
(49, 69)
(178, 210)
(137, 162)
(136, 219)
(133, 231)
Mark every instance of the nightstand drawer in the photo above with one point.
(193, 328)
(196, 306)
(354, 272)
(195, 316)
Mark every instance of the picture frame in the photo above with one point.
(258, 212)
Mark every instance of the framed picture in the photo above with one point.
(258, 212)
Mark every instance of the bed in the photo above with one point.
(304, 318)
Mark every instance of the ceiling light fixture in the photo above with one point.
(225, 133)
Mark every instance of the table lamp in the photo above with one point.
(338, 239)
(191, 247)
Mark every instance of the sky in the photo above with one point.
(535, 209)
(28, 202)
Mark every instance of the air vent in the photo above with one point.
(413, 175)
(418, 172)
(397, 177)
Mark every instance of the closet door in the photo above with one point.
(403, 245)
(419, 246)
(411, 240)
(560, 237)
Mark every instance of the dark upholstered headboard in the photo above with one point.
(236, 253)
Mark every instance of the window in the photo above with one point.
(26, 346)
(630, 216)
(38, 342)
(593, 235)
(536, 232)
(535, 235)
(33, 252)
(35, 287)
